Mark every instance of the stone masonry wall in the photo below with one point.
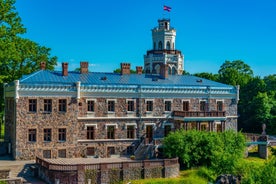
(76, 141)
(40, 120)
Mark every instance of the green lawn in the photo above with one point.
(186, 177)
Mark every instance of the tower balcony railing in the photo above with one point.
(198, 113)
(163, 51)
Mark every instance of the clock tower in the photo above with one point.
(163, 51)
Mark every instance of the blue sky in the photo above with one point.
(109, 32)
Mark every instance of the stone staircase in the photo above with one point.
(144, 151)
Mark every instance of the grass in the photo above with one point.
(186, 177)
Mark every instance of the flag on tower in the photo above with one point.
(167, 8)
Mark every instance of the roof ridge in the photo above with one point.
(31, 75)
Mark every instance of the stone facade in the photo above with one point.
(77, 118)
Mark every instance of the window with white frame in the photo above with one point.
(111, 105)
(130, 105)
(149, 104)
(90, 105)
(185, 105)
(219, 106)
(168, 105)
(202, 106)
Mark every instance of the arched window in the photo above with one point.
(173, 71)
(157, 69)
(169, 71)
(168, 45)
(160, 46)
(154, 46)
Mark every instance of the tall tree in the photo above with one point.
(245, 107)
(18, 56)
(235, 73)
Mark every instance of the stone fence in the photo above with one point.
(113, 172)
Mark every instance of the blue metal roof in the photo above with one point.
(97, 78)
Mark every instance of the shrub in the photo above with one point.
(219, 151)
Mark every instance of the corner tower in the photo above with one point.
(163, 51)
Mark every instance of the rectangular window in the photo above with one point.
(219, 106)
(62, 153)
(32, 135)
(130, 105)
(90, 106)
(62, 134)
(111, 132)
(90, 151)
(130, 132)
(46, 153)
(149, 105)
(47, 134)
(202, 106)
(111, 106)
(185, 105)
(47, 105)
(168, 105)
(90, 132)
(32, 105)
(62, 105)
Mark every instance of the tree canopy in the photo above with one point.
(18, 56)
(257, 104)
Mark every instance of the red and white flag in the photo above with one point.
(167, 8)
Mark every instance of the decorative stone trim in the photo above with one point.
(149, 124)
(93, 124)
(167, 123)
(131, 124)
(111, 124)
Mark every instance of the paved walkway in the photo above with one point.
(20, 169)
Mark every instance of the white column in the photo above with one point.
(78, 89)
(16, 82)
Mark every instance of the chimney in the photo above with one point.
(139, 70)
(83, 67)
(164, 71)
(125, 68)
(43, 65)
(64, 69)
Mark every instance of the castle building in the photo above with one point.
(57, 114)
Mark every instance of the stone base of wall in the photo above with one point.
(4, 173)
(108, 172)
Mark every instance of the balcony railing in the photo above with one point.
(163, 51)
(199, 114)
